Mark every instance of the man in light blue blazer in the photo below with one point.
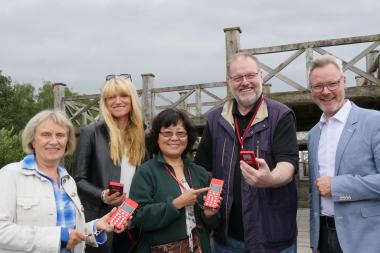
(344, 160)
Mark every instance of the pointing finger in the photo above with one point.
(205, 189)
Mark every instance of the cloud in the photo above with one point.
(181, 42)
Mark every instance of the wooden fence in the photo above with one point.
(199, 99)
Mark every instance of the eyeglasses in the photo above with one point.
(248, 77)
(330, 86)
(112, 76)
(169, 134)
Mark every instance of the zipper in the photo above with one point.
(228, 188)
(257, 148)
(224, 148)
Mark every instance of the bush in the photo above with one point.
(10, 147)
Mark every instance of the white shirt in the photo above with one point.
(126, 174)
(190, 216)
(331, 130)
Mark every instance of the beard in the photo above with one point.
(249, 100)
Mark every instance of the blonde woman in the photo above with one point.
(110, 150)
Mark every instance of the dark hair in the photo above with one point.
(165, 119)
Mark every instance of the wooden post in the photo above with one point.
(309, 59)
(232, 36)
(359, 81)
(147, 98)
(198, 103)
(266, 89)
(371, 59)
(59, 94)
(183, 104)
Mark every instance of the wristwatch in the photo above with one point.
(103, 196)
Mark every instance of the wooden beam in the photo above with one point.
(211, 94)
(312, 44)
(190, 87)
(375, 65)
(361, 55)
(59, 95)
(232, 40)
(164, 98)
(352, 68)
(283, 65)
(182, 98)
(287, 80)
(191, 105)
(82, 97)
(216, 105)
(78, 113)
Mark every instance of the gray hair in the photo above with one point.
(59, 118)
(242, 55)
(326, 60)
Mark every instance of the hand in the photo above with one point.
(258, 178)
(75, 237)
(115, 199)
(323, 185)
(188, 198)
(208, 211)
(104, 223)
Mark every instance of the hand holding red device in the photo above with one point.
(123, 213)
(115, 187)
(213, 195)
(249, 158)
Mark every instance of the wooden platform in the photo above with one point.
(303, 245)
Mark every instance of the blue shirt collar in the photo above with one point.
(29, 163)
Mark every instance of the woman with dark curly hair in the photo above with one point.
(170, 188)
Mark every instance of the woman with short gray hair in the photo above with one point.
(40, 209)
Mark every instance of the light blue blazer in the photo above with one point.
(356, 185)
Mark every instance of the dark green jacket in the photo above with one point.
(159, 221)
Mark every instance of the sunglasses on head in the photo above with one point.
(125, 76)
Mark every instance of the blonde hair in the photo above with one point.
(59, 118)
(130, 141)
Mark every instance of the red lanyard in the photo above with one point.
(179, 182)
(241, 138)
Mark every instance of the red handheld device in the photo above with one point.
(249, 157)
(115, 187)
(123, 213)
(213, 195)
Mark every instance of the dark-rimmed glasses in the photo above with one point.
(330, 86)
(170, 134)
(112, 76)
(249, 77)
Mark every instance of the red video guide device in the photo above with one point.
(123, 213)
(249, 158)
(115, 187)
(213, 195)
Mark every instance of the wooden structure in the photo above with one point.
(199, 99)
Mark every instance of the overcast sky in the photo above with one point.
(180, 41)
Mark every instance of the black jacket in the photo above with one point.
(94, 169)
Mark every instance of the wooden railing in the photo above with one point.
(198, 99)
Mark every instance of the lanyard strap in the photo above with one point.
(176, 179)
(241, 138)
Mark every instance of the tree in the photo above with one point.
(16, 104)
(10, 147)
(19, 103)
